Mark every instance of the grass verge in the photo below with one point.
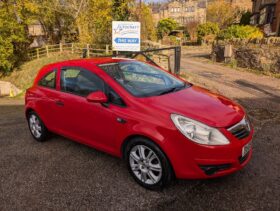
(23, 76)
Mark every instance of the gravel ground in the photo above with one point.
(63, 175)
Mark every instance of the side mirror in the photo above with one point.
(97, 97)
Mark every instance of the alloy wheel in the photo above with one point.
(145, 164)
(35, 126)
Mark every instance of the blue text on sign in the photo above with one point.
(127, 40)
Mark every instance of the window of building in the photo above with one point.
(262, 16)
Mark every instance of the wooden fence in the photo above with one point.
(74, 48)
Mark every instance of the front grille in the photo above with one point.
(241, 130)
(241, 133)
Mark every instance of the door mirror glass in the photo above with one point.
(97, 97)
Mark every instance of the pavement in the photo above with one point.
(63, 175)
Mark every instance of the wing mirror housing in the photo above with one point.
(97, 97)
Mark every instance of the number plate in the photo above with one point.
(246, 148)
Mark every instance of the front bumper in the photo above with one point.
(195, 161)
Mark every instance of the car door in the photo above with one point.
(91, 123)
(46, 104)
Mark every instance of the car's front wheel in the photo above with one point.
(36, 126)
(148, 164)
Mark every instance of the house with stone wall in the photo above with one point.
(186, 11)
(183, 11)
(266, 15)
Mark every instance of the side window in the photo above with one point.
(114, 98)
(49, 80)
(80, 82)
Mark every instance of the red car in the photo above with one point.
(161, 125)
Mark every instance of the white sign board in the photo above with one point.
(126, 36)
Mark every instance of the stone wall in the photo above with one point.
(262, 55)
(8, 89)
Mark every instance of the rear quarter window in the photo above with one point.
(49, 80)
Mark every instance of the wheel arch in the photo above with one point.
(28, 110)
(128, 139)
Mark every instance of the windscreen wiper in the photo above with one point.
(172, 89)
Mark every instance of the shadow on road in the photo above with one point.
(261, 88)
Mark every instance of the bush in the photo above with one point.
(174, 40)
(238, 31)
(206, 29)
(165, 26)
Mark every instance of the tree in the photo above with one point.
(191, 28)
(100, 21)
(165, 26)
(13, 32)
(145, 17)
(207, 29)
(85, 21)
(57, 19)
(223, 13)
(121, 10)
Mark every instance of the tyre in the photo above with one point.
(147, 164)
(37, 128)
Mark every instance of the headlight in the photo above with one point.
(198, 132)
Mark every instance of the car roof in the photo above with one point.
(94, 61)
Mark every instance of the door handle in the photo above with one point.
(121, 120)
(59, 103)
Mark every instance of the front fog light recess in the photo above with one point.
(198, 132)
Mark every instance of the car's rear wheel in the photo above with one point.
(148, 164)
(36, 126)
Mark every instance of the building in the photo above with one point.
(266, 15)
(37, 33)
(183, 11)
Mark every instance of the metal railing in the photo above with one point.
(166, 57)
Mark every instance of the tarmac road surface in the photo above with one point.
(63, 175)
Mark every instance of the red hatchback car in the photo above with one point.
(161, 125)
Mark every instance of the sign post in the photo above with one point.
(126, 36)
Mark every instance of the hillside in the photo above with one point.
(23, 76)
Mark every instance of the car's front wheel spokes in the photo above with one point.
(35, 126)
(145, 164)
(134, 156)
(141, 151)
(155, 167)
(143, 176)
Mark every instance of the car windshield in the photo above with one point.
(143, 80)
